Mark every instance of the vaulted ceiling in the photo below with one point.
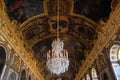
(79, 27)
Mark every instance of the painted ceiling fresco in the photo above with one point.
(93, 9)
(77, 26)
(21, 10)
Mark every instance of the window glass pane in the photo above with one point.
(116, 68)
(12, 76)
(105, 76)
(2, 59)
(2, 53)
(29, 78)
(1, 68)
(23, 75)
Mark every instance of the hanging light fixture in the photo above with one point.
(57, 57)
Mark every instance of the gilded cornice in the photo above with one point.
(8, 32)
(109, 34)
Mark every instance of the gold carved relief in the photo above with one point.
(101, 63)
(16, 63)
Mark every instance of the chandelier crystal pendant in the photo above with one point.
(57, 58)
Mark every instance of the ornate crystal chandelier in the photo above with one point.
(57, 58)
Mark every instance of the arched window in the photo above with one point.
(114, 51)
(12, 76)
(2, 59)
(23, 75)
(29, 78)
(105, 76)
(94, 74)
(88, 77)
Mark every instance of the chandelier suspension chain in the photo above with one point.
(58, 19)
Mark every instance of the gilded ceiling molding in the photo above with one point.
(109, 34)
(47, 10)
(2, 5)
(11, 37)
(114, 4)
(31, 19)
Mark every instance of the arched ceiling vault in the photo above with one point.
(37, 20)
